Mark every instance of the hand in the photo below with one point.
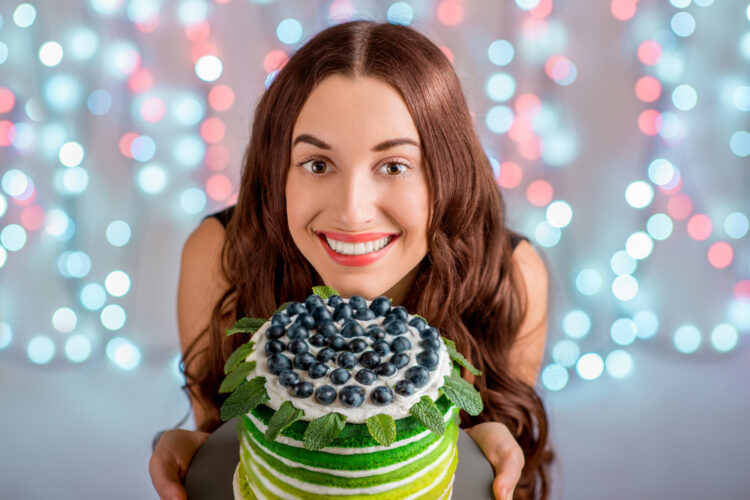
(170, 461)
(503, 453)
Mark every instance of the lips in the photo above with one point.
(354, 238)
(357, 260)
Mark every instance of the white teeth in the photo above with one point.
(358, 248)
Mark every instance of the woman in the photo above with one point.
(365, 133)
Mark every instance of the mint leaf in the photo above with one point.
(237, 356)
(282, 307)
(247, 396)
(462, 394)
(285, 416)
(459, 358)
(428, 415)
(246, 325)
(382, 429)
(324, 291)
(321, 431)
(236, 377)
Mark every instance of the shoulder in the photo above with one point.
(530, 264)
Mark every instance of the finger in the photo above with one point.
(166, 479)
(508, 469)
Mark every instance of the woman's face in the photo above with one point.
(348, 186)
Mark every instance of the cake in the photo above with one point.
(345, 399)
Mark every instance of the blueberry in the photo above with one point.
(312, 301)
(381, 347)
(396, 327)
(430, 344)
(380, 306)
(302, 390)
(364, 314)
(318, 370)
(369, 359)
(385, 370)
(297, 331)
(357, 345)
(337, 342)
(280, 318)
(428, 359)
(275, 332)
(277, 363)
(400, 344)
(297, 346)
(317, 340)
(303, 360)
(347, 360)
(430, 332)
(400, 359)
(418, 323)
(404, 388)
(376, 333)
(295, 308)
(365, 376)
(326, 329)
(381, 396)
(321, 314)
(273, 347)
(340, 376)
(352, 395)
(335, 300)
(288, 378)
(343, 311)
(418, 375)
(398, 312)
(357, 301)
(325, 394)
(326, 354)
(352, 329)
(306, 320)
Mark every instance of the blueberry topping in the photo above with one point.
(418, 375)
(317, 340)
(318, 370)
(312, 301)
(274, 347)
(325, 394)
(335, 300)
(351, 396)
(357, 301)
(365, 377)
(404, 388)
(352, 329)
(400, 344)
(297, 346)
(381, 396)
(376, 333)
(357, 345)
(302, 390)
(380, 306)
(337, 342)
(347, 360)
(277, 363)
(430, 332)
(430, 344)
(396, 327)
(381, 347)
(303, 360)
(280, 318)
(342, 311)
(364, 313)
(306, 320)
(428, 359)
(297, 331)
(326, 329)
(369, 359)
(326, 354)
(398, 312)
(295, 308)
(288, 378)
(320, 314)
(385, 370)
(340, 376)
(418, 323)
(275, 332)
(400, 359)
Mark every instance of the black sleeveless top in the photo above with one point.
(226, 214)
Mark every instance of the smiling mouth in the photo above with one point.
(355, 249)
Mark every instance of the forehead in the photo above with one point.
(342, 109)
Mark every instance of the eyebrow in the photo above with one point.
(390, 143)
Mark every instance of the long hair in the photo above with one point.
(467, 285)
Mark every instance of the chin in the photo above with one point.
(347, 289)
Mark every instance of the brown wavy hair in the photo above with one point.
(467, 285)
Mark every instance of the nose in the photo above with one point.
(355, 203)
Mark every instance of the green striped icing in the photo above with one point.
(353, 435)
(358, 461)
(314, 477)
(417, 486)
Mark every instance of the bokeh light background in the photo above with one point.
(618, 131)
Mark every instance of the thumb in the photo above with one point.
(166, 480)
(501, 489)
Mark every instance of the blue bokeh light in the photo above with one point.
(93, 296)
(289, 31)
(400, 13)
(576, 324)
(501, 52)
(687, 339)
(588, 282)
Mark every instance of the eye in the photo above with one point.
(393, 173)
(316, 162)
